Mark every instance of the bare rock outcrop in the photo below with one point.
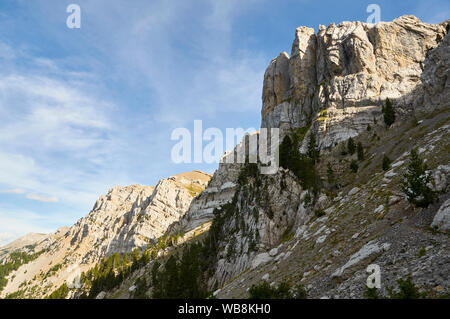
(124, 219)
(340, 77)
(441, 220)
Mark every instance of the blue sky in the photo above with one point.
(85, 109)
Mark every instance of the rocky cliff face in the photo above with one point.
(123, 219)
(335, 83)
(270, 227)
(338, 78)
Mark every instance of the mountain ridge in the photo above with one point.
(330, 210)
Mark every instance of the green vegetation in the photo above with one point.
(249, 170)
(351, 147)
(194, 189)
(319, 213)
(15, 260)
(388, 113)
(422, 252)
(303, 166)
(312, 152)
(406, 290)
(61, 293)
(184, 278)
(141, 288)
(354, 166)
(330, 174)
(283, 291)
(112, 271)
(360, 151)
(415, 182)
(371, 293)
(386, 165)
(19, 294)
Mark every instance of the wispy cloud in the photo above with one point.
(6, 238)
(43, 198)
(74, 124)
(15, 191)
(57, 135)
(18, 222)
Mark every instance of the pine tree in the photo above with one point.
(416, 180)
(388, 113)
(312, 148)
(330, 173)
(156, 282)
(360, 151)
(351, 146)
(354, 166)
(386, 163)
(286, 152)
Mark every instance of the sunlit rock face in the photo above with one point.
(338, 78)
(127, 217)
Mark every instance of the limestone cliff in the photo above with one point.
(123, 219)
(338, 78)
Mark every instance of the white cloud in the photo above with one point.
(57, 137)
(6, 238)
(43, 198)
(62, 139)
(15, 191)
(17, 223)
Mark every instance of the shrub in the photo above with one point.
(300, 292)
(330, 173)
(351, 146)
(360, 151)
(312, 153)
(319, 213)
(407, 290)
(265, 291)
(343, 150)
(262, 291)
(301, 165)
(371, 293)
(354, 166)
(415, 182)
(388, 113)
(60, 293)
(386, 163)
(249, 170)
(422, 252)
